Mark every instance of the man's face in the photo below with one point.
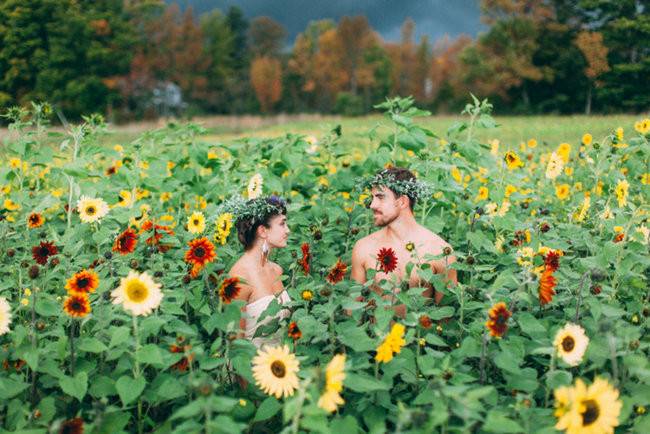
(385, 206)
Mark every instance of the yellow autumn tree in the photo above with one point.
(266, 79)
(595, 52)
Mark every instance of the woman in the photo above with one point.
(261, 227)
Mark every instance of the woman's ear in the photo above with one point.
(262, 231)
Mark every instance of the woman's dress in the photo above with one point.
(255, 309)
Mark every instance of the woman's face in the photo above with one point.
(277, 231)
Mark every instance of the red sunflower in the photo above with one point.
(229, 289)
(426, 322)
(306, 257)
(126, 242)
(552, 261)
(387, 260)
(498, 323)
(44, 251)
(72, 426)
(77, 305)
(546, 287)
(159, 231)
(35, 220)
(200, 253)
(83, 282)
(337, 273)
(294, 331)
(184, 363)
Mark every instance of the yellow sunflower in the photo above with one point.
(392, 344)
(254, 189)
(587, 139)
(335, 375)
(510, 189)
(562, 191)
(196, 222)
(91, 210)
(5, 315)
(571, 343)
(274, 370)
(138, 293)
(584, 208)
(224, 224)
(513, 160)
(583, 410)
(554, 166)
(622, 192)
(482, 194)
(456, 174)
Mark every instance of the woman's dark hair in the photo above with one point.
(247, 226)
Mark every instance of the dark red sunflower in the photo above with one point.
(35, 220)
(83, 282)
(498, 323)
(200, 253)
(158, 232)
(126, 242)
(387, 260)
(426, 322)
(44, 251)
(294, 331)
(112, 170)
(77, 305)
(184, 363)
(229, 289)
(552, 261)
(306, 257)
(619, 237)
(546, 287)
(337, 273)
(73, 426)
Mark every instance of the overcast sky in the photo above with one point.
(433, 17)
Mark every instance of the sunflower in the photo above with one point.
(426, 322)
(196, 222)
(387, 260)
(334, 376)
(126, 242)
(482, 194)
(41, 252)
(307, 295)
(254, 188)
(554, 166)
(622, 192)
(224, 224)
(584, 208)
(294, 331)
(392, 344)
(456, 174)
(229, 289)
(583, 410)
(138, 293)
(184, 363)
(510, 189)
(562, 191)
(159, 231)
(571, 343)
(83, 282)
(76, 305)
(546, 287)
(513, 160)
(200, 253)
(35, 220)
(587, 139)
(410, 246)
(306, 256)
(5, 316)
(72, 426)
(274, 370)
(498, 323)
(91, 210)
(337, 273)
(552, 260)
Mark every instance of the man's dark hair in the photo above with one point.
(247, 226)
(400, 174)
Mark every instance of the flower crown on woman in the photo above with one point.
(257, 208)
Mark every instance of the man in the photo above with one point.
(394, 193)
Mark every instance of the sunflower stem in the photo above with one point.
(137, 346)
(582, 281)
(72, 347)
(295, 420)
(482, 363)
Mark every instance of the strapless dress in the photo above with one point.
(255, 309)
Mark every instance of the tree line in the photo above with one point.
(134, 59)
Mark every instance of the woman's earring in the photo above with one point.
(265, 249)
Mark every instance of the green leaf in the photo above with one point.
(556, 379)
(499, 422)
(530, 325)
(150, 354)
(76, 386)
(442, 312)
(102, 386)
(29, 355)
(92, 345)
(119, 335)
(269, 407)
(129, 389)
(364, 383)
(190, 410)
(434, 339)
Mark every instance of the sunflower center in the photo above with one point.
(83, 282)
(91, 210)
(195, 222)
(76, 306)
(44, 251)
(278, 369)
(591, 413)
(34, 219)
(199, 252)
(137, 292)
(501, 320)
(568, 344)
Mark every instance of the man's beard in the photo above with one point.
(384, 220)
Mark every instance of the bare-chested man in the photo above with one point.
(392, 208)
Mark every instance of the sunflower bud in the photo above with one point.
(470, 260)
(33, 271)
(318, 235)
(187, 279)
(157, 274)
(11, 253)
(108, 254)
(544, 227)
(596, 289)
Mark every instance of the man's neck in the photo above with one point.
(402, 228)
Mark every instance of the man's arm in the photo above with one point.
(358, 272)
(451, 279)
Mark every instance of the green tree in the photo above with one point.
(266, 37)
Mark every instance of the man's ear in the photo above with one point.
(404, 201)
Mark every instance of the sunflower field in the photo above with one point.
(117, 312)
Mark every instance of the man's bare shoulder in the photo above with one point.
(430, 241)
(369, 242)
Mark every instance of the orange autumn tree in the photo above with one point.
(592, 47)
(266, 79)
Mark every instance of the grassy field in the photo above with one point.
(511, 130)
